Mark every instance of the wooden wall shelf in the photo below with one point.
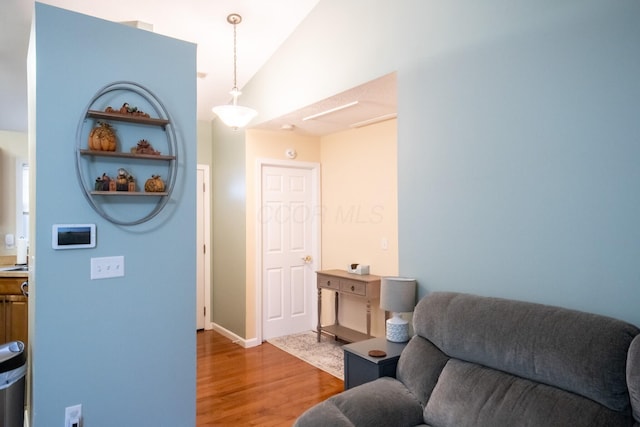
(127, 118)
(90, 163)
(129, 193)
(126, 155)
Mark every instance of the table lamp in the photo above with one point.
(398, 295)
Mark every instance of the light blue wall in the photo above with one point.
(124, 348)
(518, 137)
(519, 163)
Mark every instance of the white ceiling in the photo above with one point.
(369, 103)
(265, 26)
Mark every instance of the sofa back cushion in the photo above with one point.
(473, 395)
(580, 352)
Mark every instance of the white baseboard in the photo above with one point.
(246, 343)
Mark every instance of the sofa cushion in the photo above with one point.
(633, 376)
(419, 367)
(580, 352)
(472, 395)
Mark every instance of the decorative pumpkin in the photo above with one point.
(122, 180)
(102, 138)
(154, 184)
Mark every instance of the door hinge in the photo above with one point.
(204, 188)
(205, 311)
(204, 249)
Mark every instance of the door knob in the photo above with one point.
(307, 259)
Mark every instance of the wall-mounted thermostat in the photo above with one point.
(73, 236)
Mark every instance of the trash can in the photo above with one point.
(13, 368)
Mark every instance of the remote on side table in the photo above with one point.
(360, 368)
(366, 286)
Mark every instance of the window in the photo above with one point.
(22, 199)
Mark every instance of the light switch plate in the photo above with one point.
(107, 267)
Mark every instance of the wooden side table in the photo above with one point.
(360, 368)
(366, 287)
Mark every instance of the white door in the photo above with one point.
(288, 223)
(203, 275)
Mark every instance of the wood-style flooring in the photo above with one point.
(258, 386)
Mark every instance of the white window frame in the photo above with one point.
(22, 199)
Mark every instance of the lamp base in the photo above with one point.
(397, 329)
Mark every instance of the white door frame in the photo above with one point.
(316, 218)
(208, 324)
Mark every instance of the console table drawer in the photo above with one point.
(353, 287)
(328, 282)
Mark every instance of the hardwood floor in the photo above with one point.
(259, 386)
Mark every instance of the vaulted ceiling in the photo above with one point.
(265, 26)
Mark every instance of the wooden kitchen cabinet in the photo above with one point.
(14, 310)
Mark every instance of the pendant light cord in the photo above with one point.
(234, 115)
(235, 19)
(235, 58)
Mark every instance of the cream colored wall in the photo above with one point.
(359, 206)
(269, 145)
(359, 200)
(13, 146)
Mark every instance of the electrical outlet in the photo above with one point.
(73, 416)
(106, 267)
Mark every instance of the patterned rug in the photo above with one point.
(326, 354)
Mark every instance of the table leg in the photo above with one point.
(337, 307)
(319, 327)
(368, 318)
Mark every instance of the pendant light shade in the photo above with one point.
(233, 115)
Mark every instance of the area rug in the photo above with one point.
(326, 354)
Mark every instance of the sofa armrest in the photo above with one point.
(383, 402)
(324, 414)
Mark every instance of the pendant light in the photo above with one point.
(234, 115)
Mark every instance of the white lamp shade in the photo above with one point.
(398, 294)
(235, 116)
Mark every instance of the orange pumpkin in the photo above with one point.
(102, 138)
(154, 184)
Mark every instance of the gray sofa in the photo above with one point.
(479, 361)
